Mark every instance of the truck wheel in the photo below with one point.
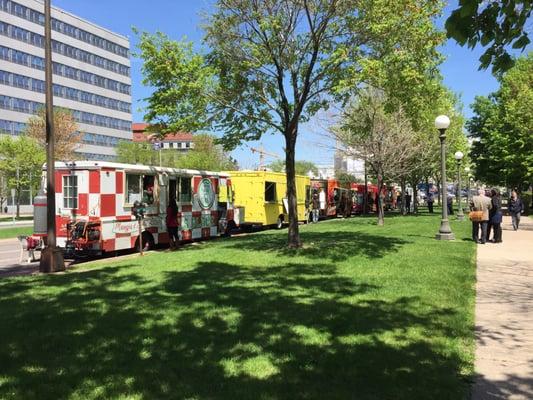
(279, 223)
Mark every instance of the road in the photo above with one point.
(10, 257)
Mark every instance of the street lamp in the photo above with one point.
(458, 157)
(442, 122)
(468, 177)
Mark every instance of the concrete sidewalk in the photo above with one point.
(504, 316)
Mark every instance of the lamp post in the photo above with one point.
(459, 157)
(442, 122)
(51, 256)
(468, 177)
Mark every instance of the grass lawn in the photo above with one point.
(362, 312)
(6, 233)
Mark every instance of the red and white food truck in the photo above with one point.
(94, 202)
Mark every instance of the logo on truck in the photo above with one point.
(206, 194)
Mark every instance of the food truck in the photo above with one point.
(95, 203)
(263, 196)
(335, 199)
(358, 195)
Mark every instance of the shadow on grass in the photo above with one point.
(218, 331)
(335, 246)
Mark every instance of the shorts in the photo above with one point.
(173, 232)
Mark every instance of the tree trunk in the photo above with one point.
(290, 141)
(415, 198)
(381, 213)
(402, 186)
(18, 202)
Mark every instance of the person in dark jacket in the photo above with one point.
(172, 223)
(515, 207)
(449, 202)
(430, 200)
(495, 217)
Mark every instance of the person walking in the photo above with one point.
(172, 223)
(315, 207)
(430, 200)
(484, 204)
(407, 203)
(449, 203)
(495, 217)
(516, 208)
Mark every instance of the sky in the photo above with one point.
(181, 18)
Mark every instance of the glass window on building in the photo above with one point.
(57, 69)
(70, 191)
(5, 102)
(58, 90)
(19, 10)
(4, 77)
(4, 53)
(19, 57)
(37, 85)
(71, 72)
(86, 76)
(37, 62)
(71, 93)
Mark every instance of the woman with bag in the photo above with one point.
(479, 215)
(495, 217)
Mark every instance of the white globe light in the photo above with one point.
(442, 122)
(459, 155)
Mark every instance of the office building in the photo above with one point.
(91, 75)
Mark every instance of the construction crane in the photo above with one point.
(262, 154)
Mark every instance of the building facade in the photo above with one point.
(91, 75)
(180, 141)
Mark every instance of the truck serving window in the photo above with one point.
(140, 188)
(70, 191)
(133, 188)
(270, 191)
(148, 189)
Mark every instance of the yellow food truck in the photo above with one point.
(263, 195)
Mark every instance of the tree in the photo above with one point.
(136, 153)
(384, 139)
(301, 167)
(496, 24)
(501, 127)
(275, 63)
(21, 161)
(67, 135)
(345, 178)
(206, 155)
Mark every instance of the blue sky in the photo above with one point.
(179, 18)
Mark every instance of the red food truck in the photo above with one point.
(358, 195)
(334, 199)
(95, 202)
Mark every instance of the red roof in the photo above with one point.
(139, 126)
(140, 134)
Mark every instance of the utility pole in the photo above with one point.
(51, 256)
